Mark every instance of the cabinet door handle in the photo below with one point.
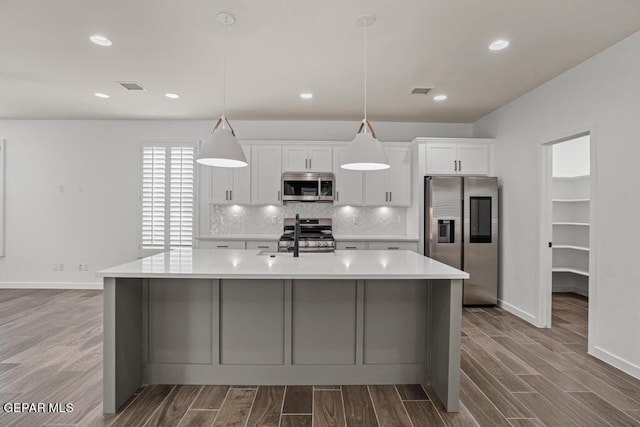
(278, 194)
(393, 247)
(230, 194)
(263, 247)
(390, 193)
(455, 166)
(337, 196)
(309, 163)
(306, 163)
(386, 196)
(222, 246)
(459, 165)
(351, 247)
(226, 195)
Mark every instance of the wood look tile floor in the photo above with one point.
(512, 375)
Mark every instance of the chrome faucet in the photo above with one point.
(296, 237)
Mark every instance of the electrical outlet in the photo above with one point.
(62, 189)
(58, 267)
(83, 267)
(274, 220)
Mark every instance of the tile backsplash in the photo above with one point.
(236, 219)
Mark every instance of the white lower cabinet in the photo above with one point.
(377, 245)
(265, 245)
(351, 245)
(221, 244)
(390, 245)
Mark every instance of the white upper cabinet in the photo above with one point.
(390, 187)
(266, 174)
(442, 158)
(399, 176)
(231, 185)
(320, 159)
(464, 156)
(295, 158)
(473, 159)
(348, 183)
(307, 158)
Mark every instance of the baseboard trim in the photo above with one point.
(51, 285)
(615, 361)
(518, 312)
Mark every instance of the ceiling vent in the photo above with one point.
(131, 86)
(420, 90)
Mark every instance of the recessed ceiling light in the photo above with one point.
(100, 40)
(101, 95)
(172, 95)
(306, 95)
(440, 97)
(499, 44)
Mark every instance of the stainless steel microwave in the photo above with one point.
(307, 187)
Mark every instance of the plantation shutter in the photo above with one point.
(153, 197)
(167, 196)
(181, 197)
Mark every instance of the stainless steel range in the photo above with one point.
(316, 235)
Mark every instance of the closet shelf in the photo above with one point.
(570, 270)
(571, 178)
(571, 200)
(577, 248)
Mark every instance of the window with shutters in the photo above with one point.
(167, 196)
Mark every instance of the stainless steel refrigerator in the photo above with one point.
(461, 230)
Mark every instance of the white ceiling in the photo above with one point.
(279, 48)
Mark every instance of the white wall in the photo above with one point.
(95, 219)
(601, 93)
(571, 158)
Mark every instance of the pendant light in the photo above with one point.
(365, 152)
(222, 149)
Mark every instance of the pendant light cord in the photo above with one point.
(224, 72)
(365, 71)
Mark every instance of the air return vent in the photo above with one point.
(131, 86)
(420, 90)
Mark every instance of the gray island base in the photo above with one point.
(240, 317)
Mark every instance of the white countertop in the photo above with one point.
(248, 264)
(375, 237)
(338, 237)
(240, 237)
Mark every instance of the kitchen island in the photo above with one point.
(249, 317)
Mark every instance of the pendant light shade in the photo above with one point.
(365, 152)
(222, 149)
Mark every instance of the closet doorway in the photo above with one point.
(567, 224)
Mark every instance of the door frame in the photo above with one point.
(546, 228)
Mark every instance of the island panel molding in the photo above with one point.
(238, 317)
